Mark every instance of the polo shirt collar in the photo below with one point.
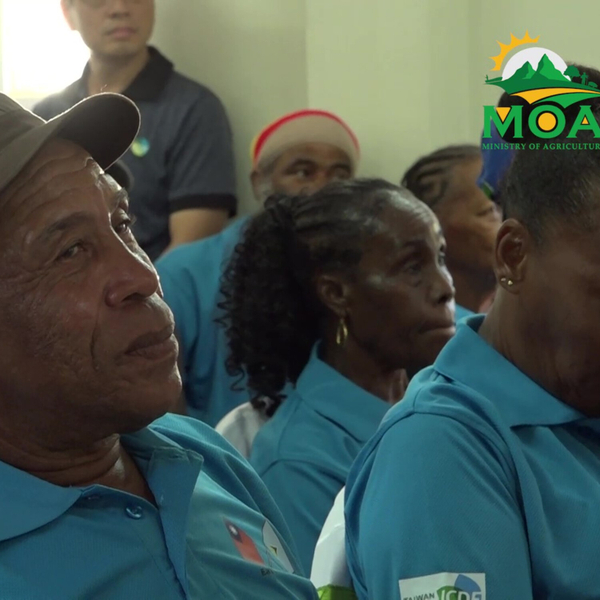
(470, 360)
(147, 86)
(28, 503)
(340, 400)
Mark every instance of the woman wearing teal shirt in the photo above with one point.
(330, 300)
(500, 438)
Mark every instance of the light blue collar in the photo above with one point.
(27, 502)
(461, 312)
(469, 359)
(340, 400)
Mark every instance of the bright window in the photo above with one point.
(39, 54)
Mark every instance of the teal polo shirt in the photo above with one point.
(461, 312)
(304, 452)
(190, 277)
(479, 484)
(215, 534)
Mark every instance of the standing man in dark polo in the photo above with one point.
(182, 160)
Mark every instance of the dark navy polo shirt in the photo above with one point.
(182, 157)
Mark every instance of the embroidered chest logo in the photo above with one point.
(276, 555)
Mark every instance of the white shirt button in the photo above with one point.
(134, 512)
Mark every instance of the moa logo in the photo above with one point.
(543, 80)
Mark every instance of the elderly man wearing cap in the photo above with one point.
(296, 154)
(102, 496)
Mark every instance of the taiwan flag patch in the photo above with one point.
(244, 543)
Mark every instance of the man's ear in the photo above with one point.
(334, 292)
(513, 245)
(67, 6)
(256, 180)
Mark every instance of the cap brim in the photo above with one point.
(121, 174)
(104, 125)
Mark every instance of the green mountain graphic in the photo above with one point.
(545, 76)
(547, 69)
(524, 72)
(525, 78)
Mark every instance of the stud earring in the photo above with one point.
(508, 282)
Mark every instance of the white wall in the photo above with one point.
(37, 56)
(396, 71)
(251, 53)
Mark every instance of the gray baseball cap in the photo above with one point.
(105, 125)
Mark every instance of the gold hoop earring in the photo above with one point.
(341, 334)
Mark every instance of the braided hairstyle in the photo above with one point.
(430, 177)
(271, 312)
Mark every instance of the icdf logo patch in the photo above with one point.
(444, 586)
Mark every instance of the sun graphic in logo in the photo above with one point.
(506, 48)
(536, 74)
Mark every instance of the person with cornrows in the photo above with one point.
(446, 180)
(328, 300)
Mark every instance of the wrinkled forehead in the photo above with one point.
(57, 169)
(406, 218)
(319, 153)
(406, 203)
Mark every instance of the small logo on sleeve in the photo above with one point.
(444, 586)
